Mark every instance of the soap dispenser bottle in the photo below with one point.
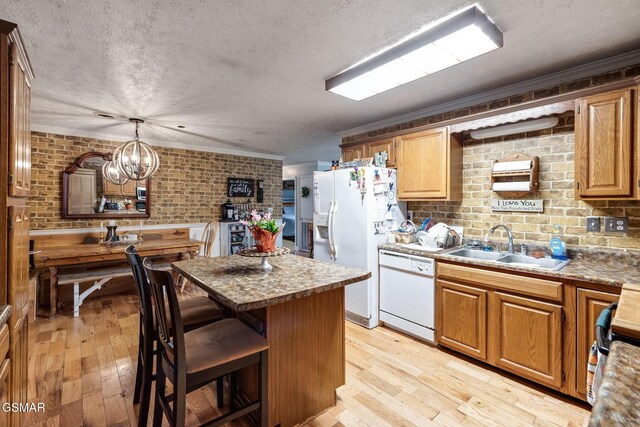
(557, 245)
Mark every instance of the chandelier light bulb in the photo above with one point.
(127, 158)
(111, 173)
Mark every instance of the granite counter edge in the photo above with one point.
(253, 305)
(558, 274)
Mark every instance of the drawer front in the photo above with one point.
(547, 289)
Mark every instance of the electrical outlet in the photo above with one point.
(616, 224)
(593, 224)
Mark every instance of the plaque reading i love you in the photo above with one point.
(500, 205)
(240, 187)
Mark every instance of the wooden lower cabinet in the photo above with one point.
(5, 381)
(19, 355)
(462, 318)
(526, 337)
(590, 304)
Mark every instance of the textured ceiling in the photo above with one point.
(249, 75)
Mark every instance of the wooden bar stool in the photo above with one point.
(196, 312)
(193, 359)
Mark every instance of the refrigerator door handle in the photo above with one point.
(333, 229)
(330, 231)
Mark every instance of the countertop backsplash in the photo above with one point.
(556, 190)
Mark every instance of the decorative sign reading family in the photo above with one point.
(500, 205)
(240, 187)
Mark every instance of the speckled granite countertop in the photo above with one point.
(5, 312)
(240, 284)
(618, 402)
(607, 267)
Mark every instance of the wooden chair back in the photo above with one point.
(168, 317)
(208, 237)
(142, 285)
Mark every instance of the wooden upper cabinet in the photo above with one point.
(353, 152)
(590, 304)
(526, 337)
(129, 188)
(388, 145)
(18, 257)
(19, 124)
(604, 146)
(429, 166)
(461, 318)
(111, 189)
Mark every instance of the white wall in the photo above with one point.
(303, 169)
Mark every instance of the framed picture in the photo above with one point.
(240, 187)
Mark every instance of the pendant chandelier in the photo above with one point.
(112, 174)
(135, 159)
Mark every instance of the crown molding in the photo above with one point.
(570, 74)
(112, 137)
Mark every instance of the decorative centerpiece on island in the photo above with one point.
(264, 230)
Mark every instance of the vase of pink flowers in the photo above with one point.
(264, 230)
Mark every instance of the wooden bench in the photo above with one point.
(99, 277)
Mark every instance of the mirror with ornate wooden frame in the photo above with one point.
(83, 187)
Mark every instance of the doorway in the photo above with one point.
(289, 214)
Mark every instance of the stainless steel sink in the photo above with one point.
(476, 254)
(529, 261)
(511, 259)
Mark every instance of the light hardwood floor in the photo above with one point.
(84, 371)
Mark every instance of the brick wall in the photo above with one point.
(188, 188)
(555, 147)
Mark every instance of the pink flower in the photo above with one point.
(267, 216)
(243, 222)
(255, 216)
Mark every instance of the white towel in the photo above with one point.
(520, 165)
(511, 186)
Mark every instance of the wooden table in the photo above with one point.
(77, 255)
(299, 307)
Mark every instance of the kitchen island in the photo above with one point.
(299, 308)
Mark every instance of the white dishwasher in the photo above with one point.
(407, 293)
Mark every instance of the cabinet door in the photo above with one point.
(111, 189)
(604, 145)
(19, 355)
(5, 391)
(387, 144)
(19, 127)
(590, 304)
(129, 189)
(423, 165)
(461, 322)
(352, 153)
(526, 337)
(18, 248)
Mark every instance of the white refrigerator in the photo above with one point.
(353, 211)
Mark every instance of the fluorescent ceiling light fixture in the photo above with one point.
(519, 127)
(463, 36)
